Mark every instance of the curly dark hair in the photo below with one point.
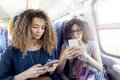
(21, 37)
(84, 27)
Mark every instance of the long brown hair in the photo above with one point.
(21, 38)
(84, 26)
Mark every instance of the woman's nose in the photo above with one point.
(39, 29)
(75, 35)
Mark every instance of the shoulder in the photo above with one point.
(10, 51)
(7, 55)
(92, 44)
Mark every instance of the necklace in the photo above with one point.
(33, 62)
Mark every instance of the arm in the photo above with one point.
(62, 61)
(33, 72)
(6, 66)
(7, 70)
(95, 60)
(65, 54)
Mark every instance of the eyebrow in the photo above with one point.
(38, 25)
(76, 29)
(35, 24)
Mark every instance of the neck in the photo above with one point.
(34, 42)
(35, 45)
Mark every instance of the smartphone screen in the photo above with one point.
(50, 63)
(73, 42)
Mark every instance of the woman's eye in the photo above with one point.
(78, 30)
(71, 31)
(43, 27)
(34, 26)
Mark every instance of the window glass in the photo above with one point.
(107, 15)
(110, 40)
(108, 11)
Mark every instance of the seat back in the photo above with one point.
(56, 53)
(1, 42)
(58, 27)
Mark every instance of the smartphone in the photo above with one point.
(73, 42)
(51, 62)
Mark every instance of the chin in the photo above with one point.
(37, 37)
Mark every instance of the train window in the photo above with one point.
(107, 15)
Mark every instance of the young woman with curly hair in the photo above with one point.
(33, 42)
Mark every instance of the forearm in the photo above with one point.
(61, 65)
(20, 76)
(94, 63)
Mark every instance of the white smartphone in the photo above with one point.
(73, 42)
(51, 62)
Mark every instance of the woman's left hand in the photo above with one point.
(82, 48)
(52, 69)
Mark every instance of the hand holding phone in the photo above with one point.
(73, 42)
(51, 62)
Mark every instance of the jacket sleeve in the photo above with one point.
(6, 65)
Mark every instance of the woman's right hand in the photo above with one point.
(32, 72)
(71, 52)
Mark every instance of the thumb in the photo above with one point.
(80, 42)
(38, 65)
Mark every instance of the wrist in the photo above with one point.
(85, 55)
(63, 58)
(20, 77)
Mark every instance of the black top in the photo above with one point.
(12, 62)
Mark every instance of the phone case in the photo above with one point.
(51, 62)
